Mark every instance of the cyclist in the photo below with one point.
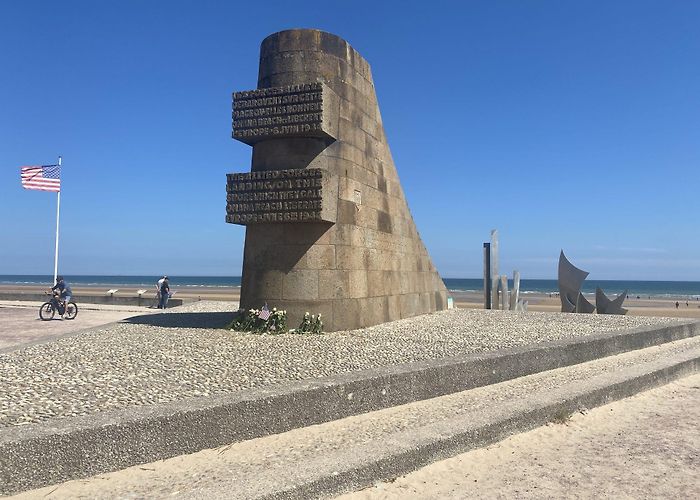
(64, 290)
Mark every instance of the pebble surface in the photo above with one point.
(177, 355)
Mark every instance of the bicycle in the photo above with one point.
(48, 309)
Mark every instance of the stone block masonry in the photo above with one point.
(328, 229)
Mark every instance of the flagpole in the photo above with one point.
(58, 214)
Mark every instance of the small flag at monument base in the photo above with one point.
(264, 314)
(42, 178)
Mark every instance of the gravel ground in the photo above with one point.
(181, 354)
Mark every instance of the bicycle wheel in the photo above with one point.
(71, 310)
(47, 311)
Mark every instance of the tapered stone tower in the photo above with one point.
(328, 229)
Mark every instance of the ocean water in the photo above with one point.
(645, 289)
(100, 280)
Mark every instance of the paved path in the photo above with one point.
(20, 324)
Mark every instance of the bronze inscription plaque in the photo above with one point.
(294, 195)
(278, 112)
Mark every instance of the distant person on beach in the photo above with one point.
(159, 283)
(164, 292)
(64, 291)
(677, 304)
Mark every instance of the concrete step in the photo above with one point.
(62, 449)
(355, 452)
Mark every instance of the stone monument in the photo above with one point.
(328, 229)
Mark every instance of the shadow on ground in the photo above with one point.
(184, 320)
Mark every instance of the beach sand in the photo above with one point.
(467, 300)
(646, 446)
(228, 294)
(635, 306)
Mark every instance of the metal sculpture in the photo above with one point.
(495, 280)
(583, 306)
(515, 294)
(496, 294)
(607, 306)
(570, 281)
(504, 300)
(572, 300)
(487, 275)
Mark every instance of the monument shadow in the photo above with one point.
(184, 320)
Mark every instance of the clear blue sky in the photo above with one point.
(564, 124)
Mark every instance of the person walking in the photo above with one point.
(164, 292)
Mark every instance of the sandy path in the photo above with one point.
(635, 307)
(647, 446)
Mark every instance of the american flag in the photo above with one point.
(264, 314)
(43, 178)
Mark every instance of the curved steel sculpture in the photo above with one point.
(583, 306)
(572, 300)
(607, 306)
(570, 281)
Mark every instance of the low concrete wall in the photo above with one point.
(122, 300)
(62, 449)
(387, 466)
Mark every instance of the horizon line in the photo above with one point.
(239, 276)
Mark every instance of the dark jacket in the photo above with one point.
(62, 287)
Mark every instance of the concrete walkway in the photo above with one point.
(20, 324)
